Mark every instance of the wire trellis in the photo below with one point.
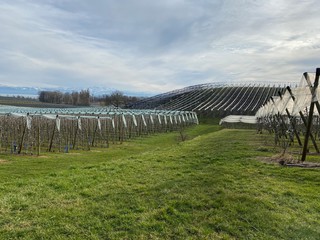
(31, 130)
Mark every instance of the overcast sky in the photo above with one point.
(156, 46)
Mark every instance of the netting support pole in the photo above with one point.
(306, 76)
(310, 118)
(94, 134)
(38, 140)
(304, 120)
(283, 123)
(294, 127)
(22, 138)
(292, 121)
(51, 139)
(75, 136)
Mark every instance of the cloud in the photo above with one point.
(157, 46)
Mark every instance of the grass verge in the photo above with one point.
(207, 187)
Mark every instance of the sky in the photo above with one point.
(152, 47)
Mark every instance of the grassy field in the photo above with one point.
(209, 187)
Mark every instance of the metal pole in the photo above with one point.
(314, 99)
(39, 137)
(304, 120)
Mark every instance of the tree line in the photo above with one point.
(75, 98)
(84, 98)
(117, 99)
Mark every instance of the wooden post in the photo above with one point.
(306, 76)
(39, 137)
(280, 119)
(107, 133)
(304, 120)
(51, 140)
(75, 136)
(292, 122)
(94, 134)
(88, 134)
(294, 127)
(308, 131)
(22, 138)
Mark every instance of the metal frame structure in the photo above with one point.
(28, 130)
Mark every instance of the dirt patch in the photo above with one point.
(288, 161)
(2, 161)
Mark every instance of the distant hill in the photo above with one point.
(8, 91)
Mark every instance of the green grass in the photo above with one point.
(208, 187)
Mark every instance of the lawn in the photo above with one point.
(210, 186)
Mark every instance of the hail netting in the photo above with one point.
(239, 119)
(293, 114)
(296, 102)
(303, 95)
(286, 103)
(82, 128)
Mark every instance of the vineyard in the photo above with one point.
(293, 116)
(31, 130)
(285, 110)
(214, 99)
(214, 184)
(289, 111)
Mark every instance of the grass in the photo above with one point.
(208, 187)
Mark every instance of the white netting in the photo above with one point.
(134, 120)
(79, 124)
(274, 105)
(239, 119)
(299, 101)
(58, 123)
(99, 124)
(265, 110)
(124, 121)
(196, 118)
(286, 103)
(302, 95)
(144, 120)
(29, 122)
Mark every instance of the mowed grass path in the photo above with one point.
(208, 187)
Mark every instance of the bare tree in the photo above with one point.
(75, 98)
(117, 98)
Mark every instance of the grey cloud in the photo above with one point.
(156, 45)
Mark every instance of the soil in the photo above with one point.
(288, 161)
